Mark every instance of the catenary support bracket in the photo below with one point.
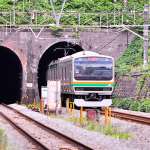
(36, 36)
(58, 17)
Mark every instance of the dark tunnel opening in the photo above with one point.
(10, 76)
(53, 53)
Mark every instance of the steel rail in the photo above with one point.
(54, 132)
(129, 117)
(39, 145)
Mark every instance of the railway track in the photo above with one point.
(58, 139)
(129, 117)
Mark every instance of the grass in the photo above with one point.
(3, 140)
(98, 127)
(36, 105)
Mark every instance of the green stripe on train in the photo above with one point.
(94, 85)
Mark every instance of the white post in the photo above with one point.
(145, 32)
(125, 4)
(56, 98)
(13, 12)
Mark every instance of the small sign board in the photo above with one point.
(44, 94)
(53, 93)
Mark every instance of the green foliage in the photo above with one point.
(112, 131)
(56, 31)
(98, 127)
(131, 57)
(5, 136)
(36, 105)
(134, 106)
(3, 141)
(76, 34)
(1, 132)
(115, 102)
(140, 84)
(125, 103)
(91, 127)
(145, 105)
(73, 5)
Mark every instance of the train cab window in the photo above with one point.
(93, 68)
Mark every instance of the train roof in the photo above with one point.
(81, 53)
(88, 53)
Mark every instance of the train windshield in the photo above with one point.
(93, 68)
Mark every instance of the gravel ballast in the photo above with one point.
(97, 140)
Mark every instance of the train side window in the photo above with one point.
(69, 76)
(62, 73)
(58, 73)
(65, 73)
(54, 74)
(50, 74)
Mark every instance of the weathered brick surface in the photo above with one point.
(18, 51)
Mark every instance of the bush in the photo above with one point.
(134, 106)
(145, 105)
(125, 103)
(115, 102)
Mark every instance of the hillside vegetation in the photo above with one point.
(132, 58)
(72, 5)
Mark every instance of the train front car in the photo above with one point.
(93, 79)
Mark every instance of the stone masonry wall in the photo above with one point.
(127, 86)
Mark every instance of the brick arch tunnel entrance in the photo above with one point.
(10, 76)
(53, 53)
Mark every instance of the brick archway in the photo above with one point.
(48, 43)
(17, 51)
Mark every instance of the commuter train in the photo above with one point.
(87, 78)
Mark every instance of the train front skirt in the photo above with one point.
(82, 102)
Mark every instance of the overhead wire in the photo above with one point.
(110, 42)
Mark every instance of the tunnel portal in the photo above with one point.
(54, 52)
(10, 76)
